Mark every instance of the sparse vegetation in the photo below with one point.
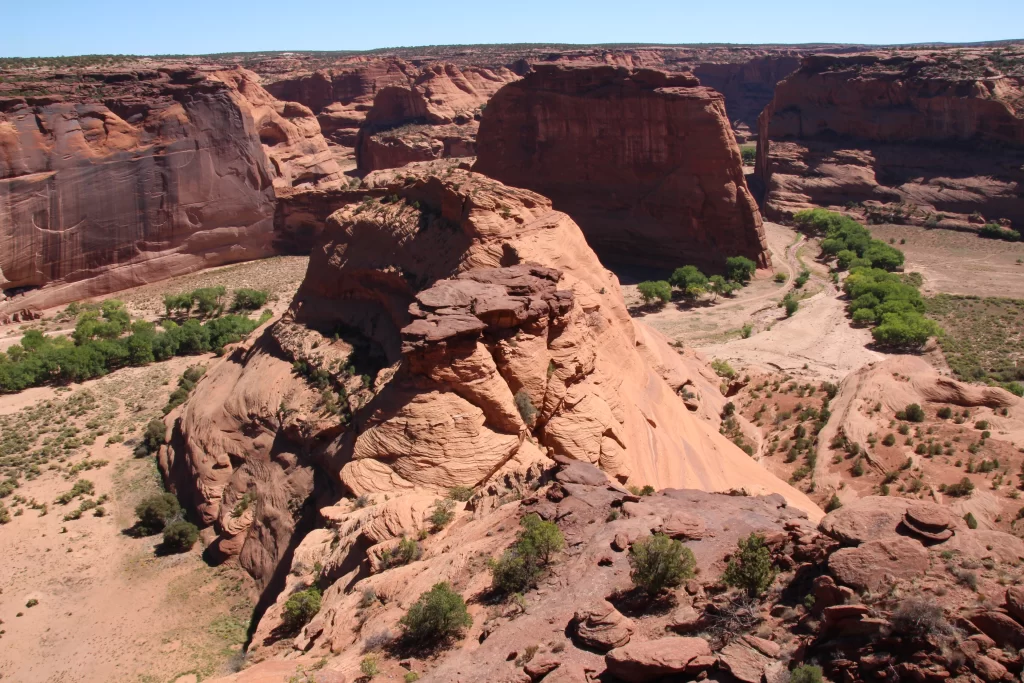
(437, 616)
(659, 562)
(180, 536)
(752, 569)
(983, 339)
(521, 564)
(300, 608)
(156, 512)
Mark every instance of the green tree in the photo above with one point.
(180, 536)
(740, 269)
(659, 562)
(657, 290)
(751, 569)
(249, 299)
(300, 608)
(437, 616)
(688, 277)
(157, 511)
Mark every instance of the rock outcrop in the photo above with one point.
(180, 171)
(434, 116)
(643, 160)
(451, 331)
(930, 139)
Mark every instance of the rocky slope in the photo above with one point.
(451, 331)
(154, 174)
(643, 160)
(934, 138)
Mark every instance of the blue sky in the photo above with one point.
(71, 27)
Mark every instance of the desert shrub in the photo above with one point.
(918, 617)
(655, 290)
(521, 564)
(723, 369)
(156, 512)
(153, 437)
(249, 299)
(740, 269)
(437, 616)
(526, 408)
(807, 673)
(659, 562)
(972, 523)
(751, 569)
(368, 667)
(746, 331)
(460, 493)
(780, 277)
(945, 412)
(748, 154)
(407, 550)
(719, 285)
(961, 489)
(981, 424)
(180, 536)
(791, 304)
(889, 439)
(411, 677)
(442, 515)
(833, 503)
(300, 608)
(912, 413)
(802, 279)
(997, 232)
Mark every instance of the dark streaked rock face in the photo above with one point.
(644, 161)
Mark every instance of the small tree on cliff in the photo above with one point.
(751, 569)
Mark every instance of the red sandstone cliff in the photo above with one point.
(644, 161)
(921, 138)
(179, 171)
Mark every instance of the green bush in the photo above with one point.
(889, 440)
(961, 489)
(655, 290)
(527, 410)
(996, 232)
(300, 608)
(368, 667)
(833, 503)
(945, 412)
(740, 269)
(460, 493)
(520, 565)
(249, 299)
(156, 512)
(751, 569)
(912, 413)
(791, 305)
(180, 536)
(659, 562)
(972, 523)
(807, 673)
(442, 515)
(407, 550)
(439, 615)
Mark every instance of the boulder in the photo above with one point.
(682, 526)
(655, 659)
(601, 627)
(539, 667)
(744, 662)
(1000, 627)
(875, 564)
(865, 519)
(1015, 602)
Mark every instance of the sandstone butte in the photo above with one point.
(179, 172)
(470, 335)
(644, 161)
(929, 139)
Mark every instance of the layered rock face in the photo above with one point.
(451, 331)
(644, 161)
(924, 139)
(433, 117)
(179, 172)
(748, 86)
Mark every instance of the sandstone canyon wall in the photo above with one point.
(451, 331)
(177, 171)
(643, 160)
(935, 139)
